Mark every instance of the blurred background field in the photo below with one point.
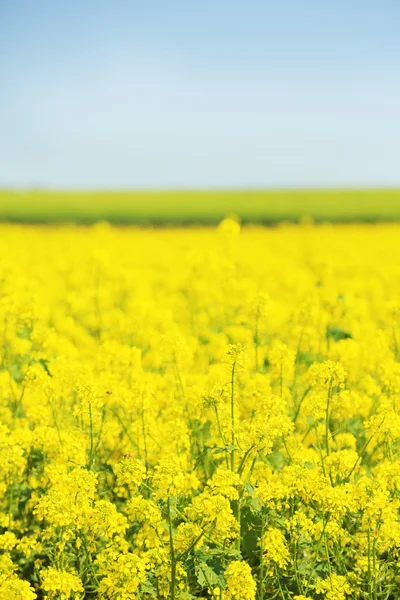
(199, 207)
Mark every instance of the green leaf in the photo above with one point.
(228, 448)
(43, 363)
(337, 333)
(148, 588)
(206, 576)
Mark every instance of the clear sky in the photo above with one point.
(209, 94)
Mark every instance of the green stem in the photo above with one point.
(209, 584)
(89, 560)
(296, 363)
(124, 427)
(296, 572)
(146, 461)
(233, 416)
(245, 457)
(326, 549)
(221, 433)
(308, 580)
(256, 339)
(91, 437)
(192, 545)
(11, 503)
(320, 453)
(261, 582)
(396, 344)
(239, 519)
(296, 414)
(278, 579)
(369, 562)
(374, 567)
(19, 404)
(172, 551)
(361, 455)
(328, 405)
(178, 377)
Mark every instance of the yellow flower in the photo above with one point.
(11, 586)
(134, 445)
(170, 479)
(275, 550)
(334, 587)
(130, 471)
(60, 584)
(121, 576)
(226, 483)
(240, 584)
(188, 535)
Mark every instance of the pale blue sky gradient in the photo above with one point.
(185, 94)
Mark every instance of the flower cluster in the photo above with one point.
(200, 414)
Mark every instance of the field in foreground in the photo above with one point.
(201, 207)
(210, 413)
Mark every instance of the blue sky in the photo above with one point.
(210, 94)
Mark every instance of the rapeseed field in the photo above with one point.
(205, 413)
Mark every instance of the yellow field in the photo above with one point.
(200, 413)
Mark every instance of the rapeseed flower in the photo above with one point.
(191, 414)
